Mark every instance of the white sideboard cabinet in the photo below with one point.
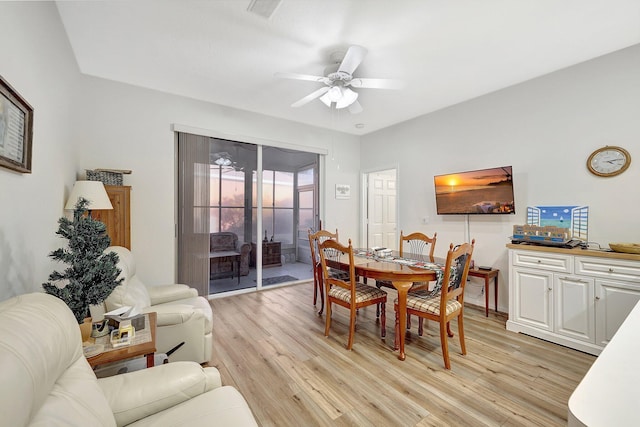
(574, 297)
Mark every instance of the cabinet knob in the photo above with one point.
(539, 261)
(597, 298)
(611, 270)
(549, 288)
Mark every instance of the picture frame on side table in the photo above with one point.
(16, 129)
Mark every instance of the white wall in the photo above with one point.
(84, 123)
(545, 128)
(37, 61)
(127, 127)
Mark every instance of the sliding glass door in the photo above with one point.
(307, 214)
(225, 234)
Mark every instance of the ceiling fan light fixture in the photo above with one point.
(223, 161)
(348, 98)
(335, 93)
(326, 100)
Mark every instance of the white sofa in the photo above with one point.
(45, 379)
(183, 316)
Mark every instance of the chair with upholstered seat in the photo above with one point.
(416, 244)
(183, 316)
(446, 301)
(314, 239)
(347, 292)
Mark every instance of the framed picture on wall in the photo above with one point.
(343, 191)
(16, 129)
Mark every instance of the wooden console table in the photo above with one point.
(271, 252)
(487, 275)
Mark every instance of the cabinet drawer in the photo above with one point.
(546, 261)
(608, 268)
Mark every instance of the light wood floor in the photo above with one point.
(271, 346)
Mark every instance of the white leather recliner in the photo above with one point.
(183, 316)
(45, 379)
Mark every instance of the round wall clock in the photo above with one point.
(609, 161)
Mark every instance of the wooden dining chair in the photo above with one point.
(446, 301)
(314, 239)
(414, 243)
(417, 243)
(347, 293)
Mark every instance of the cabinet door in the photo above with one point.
(532, 298)
(574, 307)
(118, 219)
(614, 301)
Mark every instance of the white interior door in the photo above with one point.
(381, 209)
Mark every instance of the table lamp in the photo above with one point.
(93, 191)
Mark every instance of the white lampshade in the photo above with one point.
(348, 98)
(93, 191)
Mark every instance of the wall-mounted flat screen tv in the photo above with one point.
(484, 191)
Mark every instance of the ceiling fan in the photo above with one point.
(339, 81)
(224, 160)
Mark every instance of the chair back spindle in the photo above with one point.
(314, 239)
(418, 243)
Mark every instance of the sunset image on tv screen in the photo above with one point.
(486, 191)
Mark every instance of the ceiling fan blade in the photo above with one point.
(313, 95)
(352, 59)
(376, 83)
(307, 77)
(355, 108)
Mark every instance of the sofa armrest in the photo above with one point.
(168, 293)
(138, 394)
(174, 314)
(244, 248)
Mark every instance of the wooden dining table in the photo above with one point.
(389, 269)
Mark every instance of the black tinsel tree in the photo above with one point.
(91, 275)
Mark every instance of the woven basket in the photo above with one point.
(107, 177)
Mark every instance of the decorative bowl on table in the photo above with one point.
(628, 248)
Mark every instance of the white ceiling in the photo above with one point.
(445, 51)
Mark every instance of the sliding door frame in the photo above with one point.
(260, 142)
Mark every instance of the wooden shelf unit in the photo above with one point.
(118, 219)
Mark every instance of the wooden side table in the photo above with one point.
(487, 275)
(234, 257)
(147, 348)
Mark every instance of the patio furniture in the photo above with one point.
(227, 257)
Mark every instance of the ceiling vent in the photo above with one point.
(264, 8)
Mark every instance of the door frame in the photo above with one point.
(364, 200)
(315, 209)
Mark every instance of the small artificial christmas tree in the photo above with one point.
(91, 274)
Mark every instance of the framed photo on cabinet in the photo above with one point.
(16, 129)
